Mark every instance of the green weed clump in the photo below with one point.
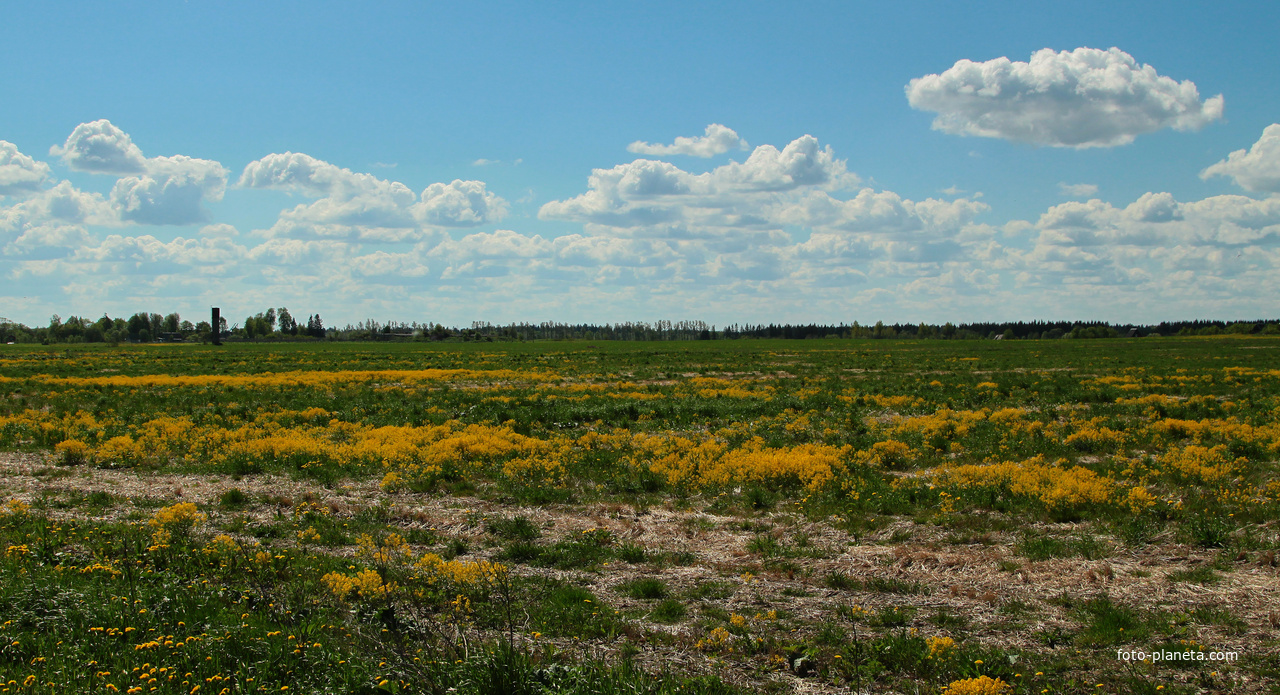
(648, 588)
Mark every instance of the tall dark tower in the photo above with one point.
(217, 326)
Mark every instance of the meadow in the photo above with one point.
(696, 517)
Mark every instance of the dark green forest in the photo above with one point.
(279, 324)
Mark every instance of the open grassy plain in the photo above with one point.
(704, 517)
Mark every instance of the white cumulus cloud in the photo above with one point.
(358, 206)
(294, 255)
(19, 174)
(1157, 218)
(100, 147)
(156, 190)
(381, 264)
(459, 204)
(883, 213)
(734, 227)
(170, 192)
(718, 139)
(598, 251)
(300, 173)
(499, 244)
(1082, 98)
(46, 224)
(61, 207)
(786, 231)
(42, 240)
(1258, 168)
(647, 193)
(167, 268)
(801, 163)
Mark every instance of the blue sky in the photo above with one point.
(754, 162)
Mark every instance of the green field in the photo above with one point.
(709, 516)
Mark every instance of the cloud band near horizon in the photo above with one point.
(783, 233)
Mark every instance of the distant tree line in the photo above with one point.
(278, 324)
(144, 327)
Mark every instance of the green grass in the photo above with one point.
(647, 588)
(1202, 574)
(1107, 623)
(517, 528)
(591, 418)
(1035, 547)
(669, 611)
(1209, 530)
(893, 616)
(710, 590)
(947, 620)
(233, 498)
(569, 611)
(632, 553)
(881, 585)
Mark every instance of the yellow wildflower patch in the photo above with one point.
(1204, 464)
(1053, 485)
(982, 685)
